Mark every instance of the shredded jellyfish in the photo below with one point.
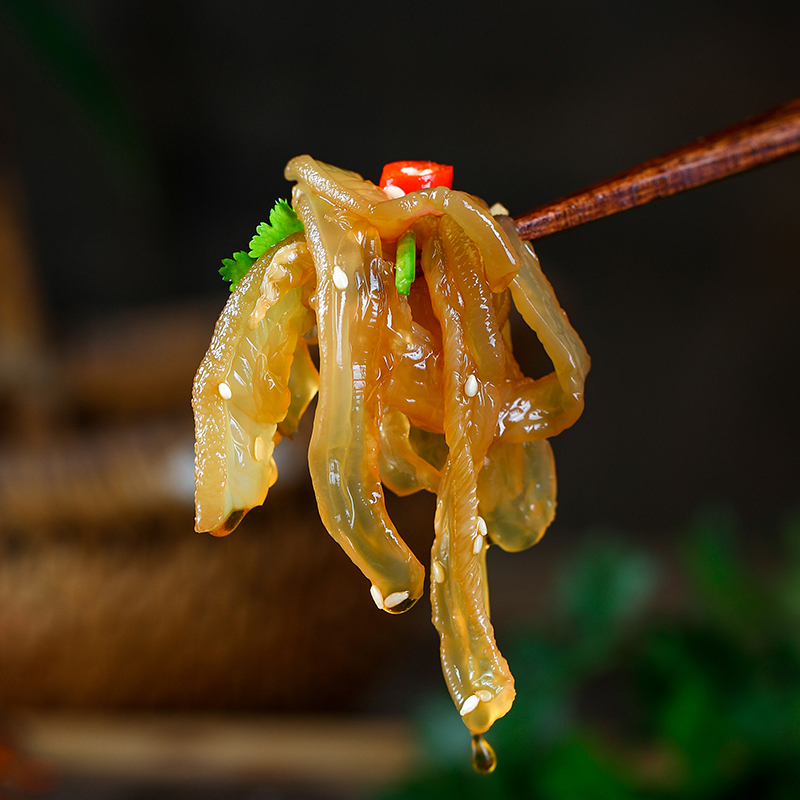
(418, 389)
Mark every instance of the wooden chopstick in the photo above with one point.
(748, 144)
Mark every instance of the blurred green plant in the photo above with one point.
(618, 701)
(58, 38)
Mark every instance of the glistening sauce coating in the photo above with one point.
(415, 392)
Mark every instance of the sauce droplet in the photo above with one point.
(483, 758)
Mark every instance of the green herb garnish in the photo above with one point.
(234, 269)
(283, 222)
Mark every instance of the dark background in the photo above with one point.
(154, 157)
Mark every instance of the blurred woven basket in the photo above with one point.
(273, 617)
(107, 597)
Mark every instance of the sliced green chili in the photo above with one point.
(405, 266)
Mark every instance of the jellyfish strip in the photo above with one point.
(303, 386)
(352, 325)
(477, 675)
(241, 393)
(416, 393)
(517, 491)
(402, 468)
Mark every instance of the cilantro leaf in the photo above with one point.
(234, 269)
(283, 222)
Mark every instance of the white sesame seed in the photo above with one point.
(470, 704)
(393, 192)
(471, 386)
(498, 210)
(481, 525)
(477, 545)
(395, 598)
(259, 449)
(438, 571)
(340, 280)
(484, 695)
(376, 595)
(225, 390)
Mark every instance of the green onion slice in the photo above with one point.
(405, 266)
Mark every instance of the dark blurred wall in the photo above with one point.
(688, 307)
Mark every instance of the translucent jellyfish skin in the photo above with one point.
(417, 392)
(402, 468)
(354, 334)
(235, 436)
(548, 406)
(303, 387)
(517, 490)
(471, 662)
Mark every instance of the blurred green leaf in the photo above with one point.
(729, 595)
(787, 590)
(547, 678)
(602, 589)
(580, 769)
